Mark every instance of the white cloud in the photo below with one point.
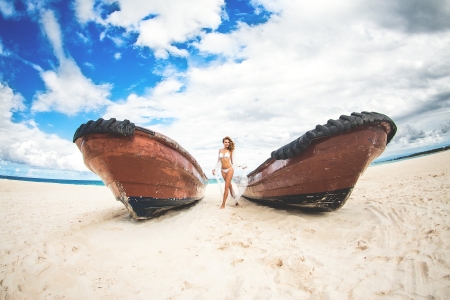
(32, 153)
(68, 90)
(24, 143)
(9, 102)
(84, 10)
(53, 32)
(89, 65)
(3, 51)
(83, 38)
(159, 24)
(155, 105)
(309, 63)
(119, 41)
(220, 43)
(7, 9)
(118, 55)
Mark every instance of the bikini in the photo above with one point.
(226, 155)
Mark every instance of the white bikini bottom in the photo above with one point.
(225, 170)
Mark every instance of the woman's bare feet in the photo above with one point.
(222, 207)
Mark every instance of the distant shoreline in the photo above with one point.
(436, 150)
(66, 181)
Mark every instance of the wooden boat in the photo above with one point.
(145, 170)
(318, 170)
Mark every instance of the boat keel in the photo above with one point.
(320, 202)
(148, 207)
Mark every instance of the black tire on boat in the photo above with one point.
(369, 116)
(333, 130)
(124, 128)
(333, 127)
(325, 130)
(339, 126)
(108, 124)
(350, 119)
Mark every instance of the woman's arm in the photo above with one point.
(217, 164)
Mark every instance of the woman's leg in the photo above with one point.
(232, 191)
(227, 177)
(225, 191)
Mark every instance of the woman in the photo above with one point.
(225, 160)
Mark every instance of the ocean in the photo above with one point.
(210, 180)
(60, 181)
(67, 181)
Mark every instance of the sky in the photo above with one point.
(261, 71)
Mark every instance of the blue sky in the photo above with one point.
(261, 71)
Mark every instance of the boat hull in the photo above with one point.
(322, 177)
(147, 172)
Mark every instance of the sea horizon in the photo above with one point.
(51, 180)
(69, 181)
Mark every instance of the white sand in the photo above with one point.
(390, 241)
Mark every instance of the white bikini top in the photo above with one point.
(221, 155)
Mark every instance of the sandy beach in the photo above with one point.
(390, 241)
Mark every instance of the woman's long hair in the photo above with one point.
(231, 147)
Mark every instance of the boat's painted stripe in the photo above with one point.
(141, 202)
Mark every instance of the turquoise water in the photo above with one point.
(213, 181)
(391, 161)
(67, 181)
(60, 181)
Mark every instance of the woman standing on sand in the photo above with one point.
(225, 160)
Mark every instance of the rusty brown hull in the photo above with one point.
(322, 176)
(147, 172)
